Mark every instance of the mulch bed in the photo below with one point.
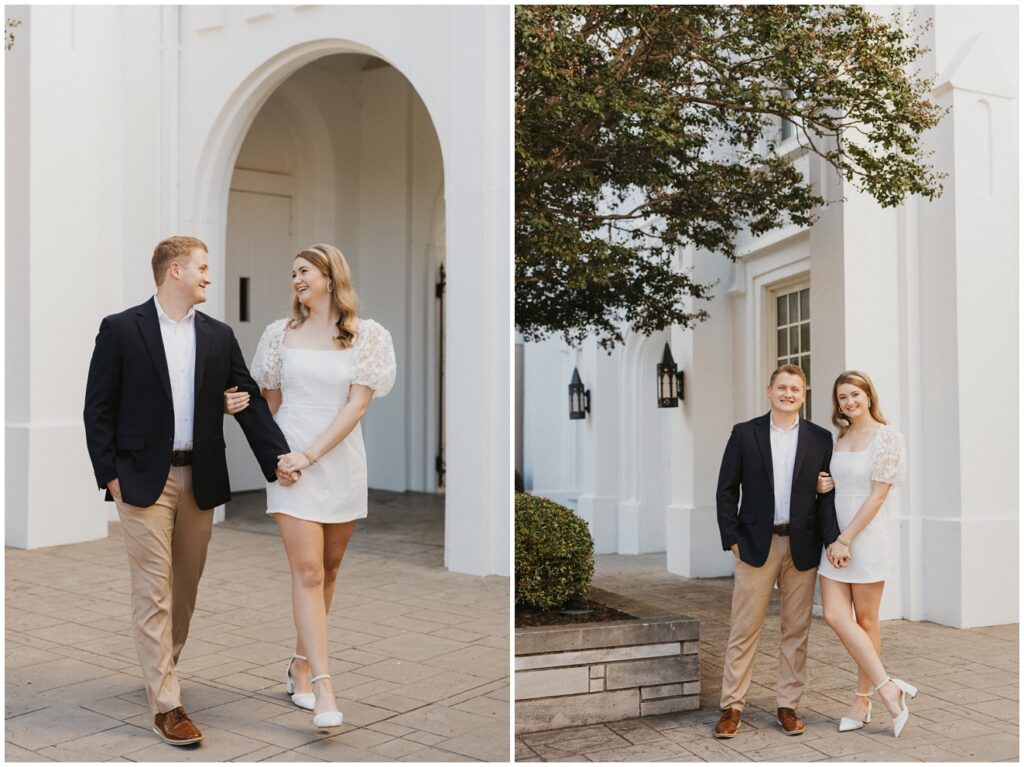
(526, 616)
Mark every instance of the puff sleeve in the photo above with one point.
(889, 463)
(266, 363)
(375, 358)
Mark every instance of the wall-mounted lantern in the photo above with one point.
(579, 398)
(670, 381)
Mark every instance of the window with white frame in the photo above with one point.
(787, 128)
(793, 332)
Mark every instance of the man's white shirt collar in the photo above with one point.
(161, 314)
(771, 424)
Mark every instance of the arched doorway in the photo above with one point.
(470, 126)
(343, 151)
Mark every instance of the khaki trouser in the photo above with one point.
(166, 552)
(752, 591)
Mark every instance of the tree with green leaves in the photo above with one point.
(642, 129)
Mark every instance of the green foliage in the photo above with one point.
(643, 129)
(554, 554)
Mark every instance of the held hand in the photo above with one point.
(839, 554)
(736, 551)
(235, 401)
(115, 488)
(292, 462)
(825, 483)
(831, 557)
(287, 479)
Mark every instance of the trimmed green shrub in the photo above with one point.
(554, 554)
(520, 487)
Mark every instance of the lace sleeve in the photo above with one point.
(266, 363)
(889, 463)
(375, 358)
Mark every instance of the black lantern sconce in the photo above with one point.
(670, 381)
(579, 398)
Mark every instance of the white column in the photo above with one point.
(707, 355)
(68, 257)
(17, 287)
(477, 203)
(969, 328)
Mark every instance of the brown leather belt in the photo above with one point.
(780, 529)
(181, 458)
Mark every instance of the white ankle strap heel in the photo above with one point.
(301, 699)
(846, 724)
(906, 690)
(326, 719)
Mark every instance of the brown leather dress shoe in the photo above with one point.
(728, 723)
(791, 723)
(176, 728)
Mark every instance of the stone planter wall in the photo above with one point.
(603, 672)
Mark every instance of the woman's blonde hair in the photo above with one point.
(332, 264)
(863, 382)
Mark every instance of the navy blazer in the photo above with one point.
(747, 471)
(129, 413)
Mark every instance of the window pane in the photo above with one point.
(783, 314)
(805, 337)
(805, 363)
(794, 307)
(783, 342)
(807, 406)
(805, 304)
(788, 130)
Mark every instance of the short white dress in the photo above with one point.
(883, 460)
(314, 386)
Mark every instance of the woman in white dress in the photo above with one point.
(318, 371)
(868, 459)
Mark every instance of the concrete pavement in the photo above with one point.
(966, 710)
(419, 654)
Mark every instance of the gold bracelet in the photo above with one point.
(309, 456)
(844, 542)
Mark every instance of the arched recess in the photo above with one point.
(644, 454)
(394, 255)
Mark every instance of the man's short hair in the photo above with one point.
(171, 249)
(794, 370)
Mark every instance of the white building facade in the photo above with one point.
(924, 298)
(261, 130)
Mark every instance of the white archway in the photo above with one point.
(312, 138)
(464, 97)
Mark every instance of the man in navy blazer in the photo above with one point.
(154, 412)
(774, 522)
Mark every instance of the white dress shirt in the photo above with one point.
(180, 350)
(783, 460)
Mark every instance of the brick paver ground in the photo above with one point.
(966, 710)
(419, 654)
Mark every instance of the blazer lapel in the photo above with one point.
(202, 349)
(149, 326)
(764, 444)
